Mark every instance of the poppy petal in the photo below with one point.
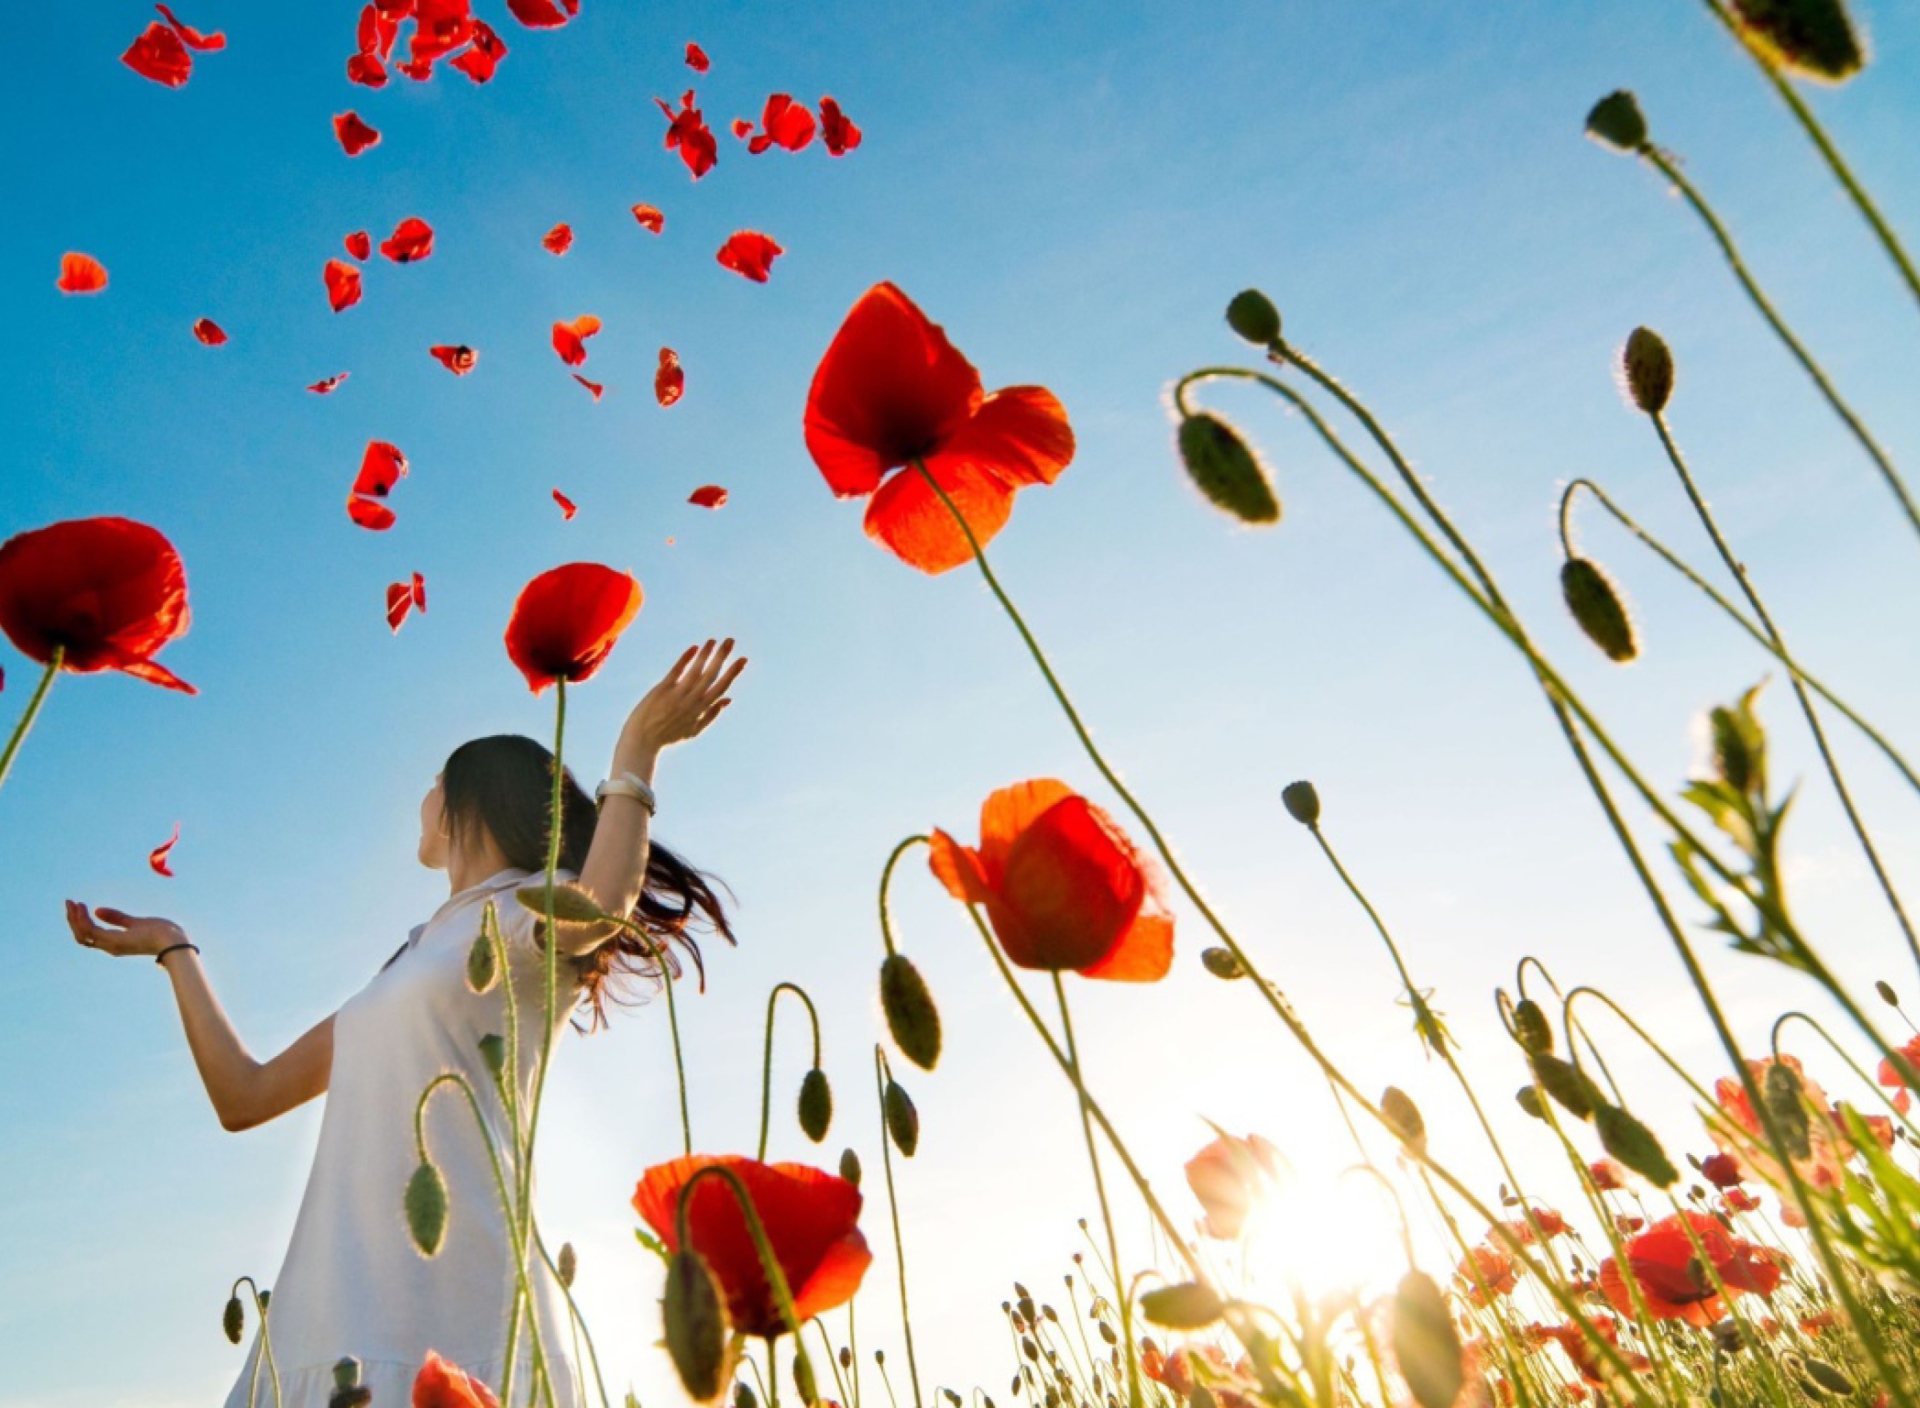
(566, 620)
(209, 332)
(687, 131)
(343, 284)
(783, 123)
(1019, 435)
(559, 239)
(370, 513)
(1076, 889)
(670, 380)
(570, 339)
(367, 70)
(907, 518)
(153, 672)
(359, 244)
(567, 507)
(697, 59)
(1010, 810)
(958, 868)
(81, 273)
(381, 467)
(417, 588)
(836, 129)
(741, 128)
(355, 136)
(650, 217)
(708, 496)
(190, 36)
(541, 14)
(481, 60)
(443, 1384)
(412, 239)
(595, 387)
(325, 388)
(159, 54)
(457, 358)
(399, 603)
(157, 857)
(749, 254)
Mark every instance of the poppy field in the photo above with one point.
(1504, 1057)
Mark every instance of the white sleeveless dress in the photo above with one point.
(352, 1281)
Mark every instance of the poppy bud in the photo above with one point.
(482, 969)
(1224, 469)
(1251, 314)
(816, 1105)
(1426, 1347)
(265, 1297)
(1825, 1376)
(1598, 609)
(1617, 121)
(743, 1395)
(570, 906)
(348, 1391)
(803, 1378)
(1187, 1306)
(1737, 750)
(911, 1015)
(233, 1319)
(493, 1050)
(846, 1357)
(903, 1121)
(1813, 38)
(1886, 992)
(1647, 367)
(1528, 1099)
(426, 1207)
(1403, 1117)
(696, 1322)
(1221, 963)
(1634, 1145)
(1782, 1089)
(850, 1166)
(1302, 802)
(566, 1264)
(1566, 1083)
(1531, 1028)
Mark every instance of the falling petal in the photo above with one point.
(355, 136)
(708, 496)
(458, 359)
(570, 339)
(367, 70)
(837, 129)
(343, 284)
(595, 387)
(670, 381)
(81, 273)
(741, 128)
(480, 61)
(209, 332)
(324, 388)
(381, 467)
(783, 123)
(697, 59)
(359, 244)
(567, 506)
(158, 54)
(543, 14)
(370, 513)
(650, 217)
(399, 603)
(750, 254)
(688, 131)
(412, 239)
(157, 858)
(190, 36)
(559, 239)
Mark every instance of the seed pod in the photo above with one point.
(482, 969)
(1531, 1028)
(1223, 468)
(566, 1264)
(903, 1121)
(1616, 120)
(1425, 1344)
(1107, 1334)
(493, 1050)
(1186, 1306)
(1598, 609)
(426, 1207)
(1646, 365)
(1886, 992)
(1221, 963)
(1782, 1090)
(696, 1323)
(1251, 314)
(1528, 1099)
(1812, 38)
(1302, 802)
(1403, 1116)
(1566, 1083)
(911, 1015)
(1634, 1145)
(233, 1320)
(816, 1105)
(850, 1166)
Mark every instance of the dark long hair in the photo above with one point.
(505, 783)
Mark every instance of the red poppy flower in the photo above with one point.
(412, 239)
(1062, 884)
(440, 1384)
(697, 59)
(1585, 1358)
(567, 619)
(81, 273)
(570, 339)
(110, 591)
(708, 496)
(481, 60)
(209, 332)
(543, 14)
(559, 239)
(785, 123)
(595, 387)
(1486, 1272)
(355, 136)
(809, 1217)
(343, 284)
(650, 217)
(1740, 1200)
(1721, 1170)
(1607, 1175)
(1893, 1075)
(1228, 1176)
(158, 54)
(1736, 1129)
(892, 389)
(1175, 1370)
(837, 129)
(157, 857)
(1880, 1125)
(325, 388)
(458, 359)
(1672, 1279)
(359, 244)
(749, 253)
(688, 131)
(567, 506)
(1551, 1225)
(670, 381)
(399, 603)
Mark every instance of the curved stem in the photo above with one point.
(265, 1354)
(886, 879)
(880, 1077)
(1840, 1051)
(766, 1062)
(769, 1264)
(21, 729)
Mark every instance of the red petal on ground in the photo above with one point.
(81, 273)
(418, 588)
(157, 857)
(158, 54)
(784, 123)
(479, 62)
(541, 14)
(670, 381)
(399, 603)
(567, 506)
(209, 332)
(457, 358)
(595, 387)
(837, 129)
(355, 136)
(323, 388)
(370, 513)
(412, 239)
(367, 70)
(570, 339)
(559, 239)
(697, 59)
(359, 244)
(381, 467)
(750, 254)
(650, 216)
(708, 496)
(343, 284)
(190, 36)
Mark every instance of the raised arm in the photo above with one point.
(245, 1092)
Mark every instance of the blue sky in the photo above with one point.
(1074, 194)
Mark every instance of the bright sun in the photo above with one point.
(1324, 1234)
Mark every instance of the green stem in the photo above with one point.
(265, 1354)
(766, 1061)
(769, 1264)
(21, 729)
(886, 879)
(893, 1208)
(579, 1321)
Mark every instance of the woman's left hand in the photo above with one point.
(685, 702)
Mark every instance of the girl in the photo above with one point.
(352, 1283)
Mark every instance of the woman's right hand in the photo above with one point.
(132, 935)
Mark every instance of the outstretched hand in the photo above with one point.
(685, 702)
(130, 936)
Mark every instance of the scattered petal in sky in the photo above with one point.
(367, 70)
(418, 587)
(670, 381)
(399, 603)
(381, 467)
(81, 273)
(157, 858)
(570, 339)
(650, 216)
(412, 239)
(688, 131)
(697, 59)
(457, 358)
(837, 129)
(355, 136)
(708, 496)
(784, 123)
(543, 14)
(324, 388)
(742, 128)
(209, 332)
(370, 513)
(559, 239)
(158, 54)
(567, 506)
(343, 284)
(190, 36)
(595, 387)
(359, 244)
(479, 62)
(749, 253)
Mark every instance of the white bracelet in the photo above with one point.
(626, 785)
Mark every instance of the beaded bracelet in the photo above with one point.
(170, 948)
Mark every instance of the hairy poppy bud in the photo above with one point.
(911, 1015)
(1617, 121)
(1251, 314)
(566, 1264)
(1531, 1028)
(1647, 368)
(903, 1121)
(1224, 469)
(1302, 802)
(1634, 1145)
(348, 1391)
(1404, 1118)
(1885, 989)
(1598, 609)
(1187, 1306)
(1569, 1086)
(493, 1050)
(1782, 1089)
(482, 969)
(233, 1319)
(1221, 963)
(1813, 38)
(816, 1104)
(850, 1166)
(570, 906)
(696, 1322)
(426, 1207)
(1426, 1347)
